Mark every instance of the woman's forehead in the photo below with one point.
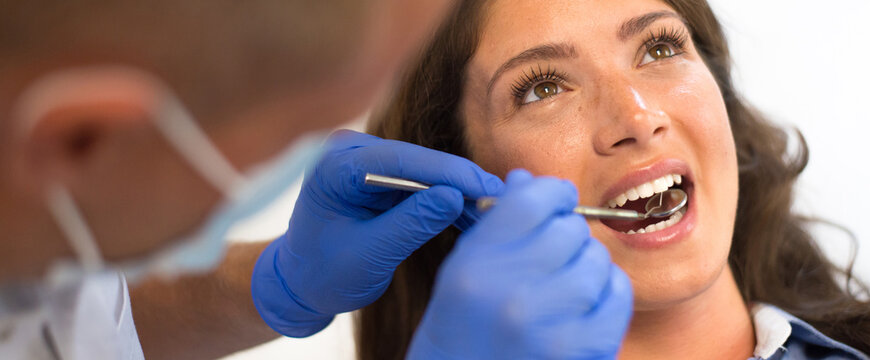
(513, 30)
(511, 26)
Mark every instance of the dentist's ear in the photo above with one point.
(67, 120)
(89, 132)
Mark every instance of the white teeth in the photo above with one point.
(621, 199)
(661, 225)
(646, 190)
(674, 219)
(632, 194)
(660, 185)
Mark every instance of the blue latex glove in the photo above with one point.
(527, 282)
(346, 238)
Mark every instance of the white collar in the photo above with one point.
(772, 329)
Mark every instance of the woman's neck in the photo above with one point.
(713, 325)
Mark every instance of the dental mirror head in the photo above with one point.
(666, 203)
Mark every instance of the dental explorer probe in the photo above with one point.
(655, 207)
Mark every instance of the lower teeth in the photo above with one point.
(661, 225)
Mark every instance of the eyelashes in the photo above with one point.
(678, 37)
(532, 77)
(675, 38)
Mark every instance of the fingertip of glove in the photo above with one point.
(445, 197)
(518, 176)
(570, 186)
(565, 191)
(621, 284)
(493, 185)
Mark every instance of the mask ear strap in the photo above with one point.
(69, 218)
(191, 142)
(171, 118)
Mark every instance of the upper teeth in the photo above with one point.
(646, 190)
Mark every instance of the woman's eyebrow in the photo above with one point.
(542, 52)
(635, 25)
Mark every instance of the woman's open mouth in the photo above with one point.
(636, 199)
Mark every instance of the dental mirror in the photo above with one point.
(660, 205)
(666, 203)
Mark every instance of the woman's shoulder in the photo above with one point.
(780, 335)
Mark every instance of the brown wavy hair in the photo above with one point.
(773, 256)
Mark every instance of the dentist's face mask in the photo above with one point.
(203, 248)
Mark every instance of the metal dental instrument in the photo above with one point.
(660, 205)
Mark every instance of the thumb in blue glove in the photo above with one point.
(527, 281)
(345, 238)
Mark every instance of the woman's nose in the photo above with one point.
(629, 121)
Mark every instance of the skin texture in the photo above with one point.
(615, 112)
(138, 195)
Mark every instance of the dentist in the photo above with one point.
(132, 137)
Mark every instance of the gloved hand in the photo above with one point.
(527, 282)
(346, 238)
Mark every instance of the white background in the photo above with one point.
(804, 63)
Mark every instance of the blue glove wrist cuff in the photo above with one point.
(277, 304)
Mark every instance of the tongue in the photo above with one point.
(626, 225)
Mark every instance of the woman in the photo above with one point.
(624, 99)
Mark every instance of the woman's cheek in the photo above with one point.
(511, 151)
(496, 148)
(512, 147)
(715, 127)
(696, 103)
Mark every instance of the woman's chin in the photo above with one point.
(663, 290)
(671, 274)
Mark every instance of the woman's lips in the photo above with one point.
(667, 236)
(633, 190)
(647, 174)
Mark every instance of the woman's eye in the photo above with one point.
(542, 91)
(657, 52)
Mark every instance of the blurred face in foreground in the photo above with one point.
(254, 81)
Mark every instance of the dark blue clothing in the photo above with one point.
(790, 338)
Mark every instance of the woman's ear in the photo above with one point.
(67, 119)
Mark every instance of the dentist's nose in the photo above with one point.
(628, 121)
